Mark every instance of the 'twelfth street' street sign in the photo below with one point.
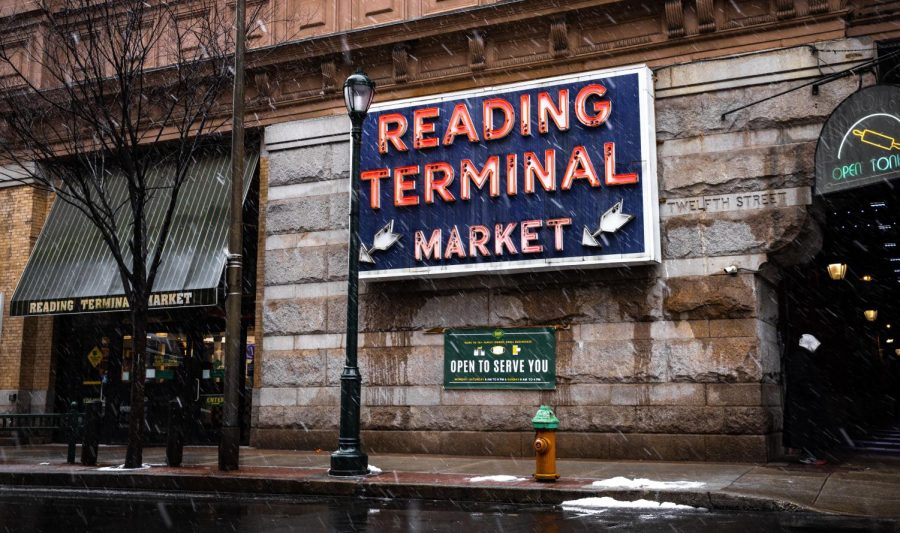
(523, 358)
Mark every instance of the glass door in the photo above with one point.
(207, 378)
(185, 359)
(165, 379)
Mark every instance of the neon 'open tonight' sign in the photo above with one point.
(557, 173)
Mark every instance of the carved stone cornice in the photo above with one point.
(675, 18)
(583, 36)
(265, 90)
(818, 6)
(400, 59)
(706, 16)
(476, 50)
(329, 76)
(559, 37)
(837, 5)
(785, 9)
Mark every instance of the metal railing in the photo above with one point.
(72, 423)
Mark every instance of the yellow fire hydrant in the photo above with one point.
(545, 425)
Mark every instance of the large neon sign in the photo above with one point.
(557, 173)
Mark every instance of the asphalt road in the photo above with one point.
(71, 512)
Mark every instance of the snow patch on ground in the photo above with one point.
(501, 478)
(642, 483)
(121, 468)
(374, 470)
(592, 504)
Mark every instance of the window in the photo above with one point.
(889, 68)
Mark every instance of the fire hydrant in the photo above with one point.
(545, 424)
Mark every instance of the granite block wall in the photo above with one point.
(676, 361)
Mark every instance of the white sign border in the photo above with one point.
(649, 187)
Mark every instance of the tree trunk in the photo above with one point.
(134, 455)
(140, 296)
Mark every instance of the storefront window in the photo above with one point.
(166, 352)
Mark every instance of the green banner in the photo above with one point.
(522, 358)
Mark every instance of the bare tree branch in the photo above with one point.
(97, 96)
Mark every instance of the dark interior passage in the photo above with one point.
(854, 377)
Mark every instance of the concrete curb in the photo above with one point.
(316, 482)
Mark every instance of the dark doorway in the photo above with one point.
(855, 318)
(185, 360)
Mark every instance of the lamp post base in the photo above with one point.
(349, 463)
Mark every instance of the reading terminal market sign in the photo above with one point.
(548, 174)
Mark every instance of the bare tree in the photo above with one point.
(94, 95)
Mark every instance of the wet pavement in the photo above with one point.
(57, 513)
(864, 486)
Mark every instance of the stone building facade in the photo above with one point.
(678, 361)
(674, 361)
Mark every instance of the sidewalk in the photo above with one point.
(863, 486)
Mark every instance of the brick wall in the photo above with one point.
(25, 343)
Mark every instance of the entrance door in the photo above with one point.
(206, 375)
(166, 379)
(854, 311)
(189, 367)
(207, 380)
(185, 359)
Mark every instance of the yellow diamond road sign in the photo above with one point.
(95, 356)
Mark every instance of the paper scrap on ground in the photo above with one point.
(591, 504)
(500, 478)
(641, 483)
(374, 469)
(121, 468)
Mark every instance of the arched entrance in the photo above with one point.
(848, 295)
(856, 378)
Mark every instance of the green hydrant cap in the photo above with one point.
(545, 419)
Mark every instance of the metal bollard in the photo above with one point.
(175, 436)
(90, 442)
(71, 431)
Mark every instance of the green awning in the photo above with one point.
(72, 271)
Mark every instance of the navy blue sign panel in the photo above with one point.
(555, 173)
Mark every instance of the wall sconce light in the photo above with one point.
(887, 326)
(871, 314)
(837, 271)
(866, 277)
(897, 351)
(889, 341)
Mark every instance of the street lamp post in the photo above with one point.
(349, 459)
(229, 445)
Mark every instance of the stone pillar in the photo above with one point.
(304, 283)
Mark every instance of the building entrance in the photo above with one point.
(185, 362)
(848, 298)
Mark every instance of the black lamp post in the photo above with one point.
(349, 460)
